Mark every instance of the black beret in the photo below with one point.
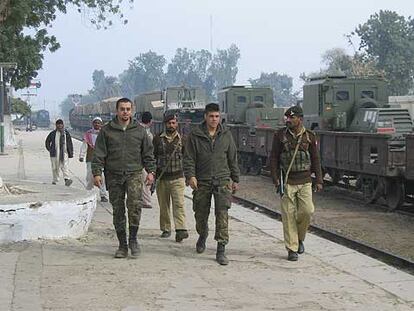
(294, 111)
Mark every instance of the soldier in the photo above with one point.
(146, 121)
(168, 151)
(122, 149)
(210, 168)
(87, 149)
(294, 152)
(60, 147)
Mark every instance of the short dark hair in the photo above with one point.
(146, 117)
(122, 100)
(212, 107)
(59, 121)
(169, 117)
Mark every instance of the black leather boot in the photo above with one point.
(133, 242)
(220, 256)
(122, 251)
(301, 248)
(292, 256)
(201, 244)
(180, 235)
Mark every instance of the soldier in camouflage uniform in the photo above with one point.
(211, 169)
(294, 152)
(122, 150)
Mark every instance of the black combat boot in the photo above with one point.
(292, 256)
(201, 244)
(301, 248)
(180, 235)
(220, 256)
(133, 243)
(122, 251)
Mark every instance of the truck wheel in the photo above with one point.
(394, 193)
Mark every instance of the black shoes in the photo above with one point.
(201, 244)
(301, 248)
(122, 251)
(292, 256)
(165, 234)
(220, 256)
(68, 182)
(104, 199)
(181, 235)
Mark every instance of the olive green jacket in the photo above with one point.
(205, 159)
(122, 151)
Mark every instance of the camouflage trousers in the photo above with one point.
(125, 187)
(202, 205)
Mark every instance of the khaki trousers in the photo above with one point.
(60, 166)
(297, 210)
(167, 191)
(146, 190)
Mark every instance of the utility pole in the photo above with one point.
(3, 101)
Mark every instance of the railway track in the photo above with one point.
(384, 256)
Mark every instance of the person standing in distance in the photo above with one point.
(294, 151)
(146, 121)
(122, 150)
(60, 147)
(86, 153)
(211, 169)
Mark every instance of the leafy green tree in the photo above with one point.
(388, 39)
(224, 67)
(145, 73)
(104, 86)
(26, 48)
(66, 105)
(19, 106)
(282, 86)
(190, 68)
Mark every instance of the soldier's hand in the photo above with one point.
(319, 187)
(80, 159)
(97, 181)
(150, 179)
(234, 187)
(193, 183)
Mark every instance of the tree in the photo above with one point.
(388, 39)
(104, 86)
(19, 106)
(145, 73)
(337, 61)
(224, 67)
(26, 48)
(281, 85)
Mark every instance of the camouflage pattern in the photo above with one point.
(221, 190)
(119, 185)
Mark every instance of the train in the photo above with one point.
(187, 103)
(362, 138)
(36, 119)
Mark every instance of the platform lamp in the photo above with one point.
(3, 101)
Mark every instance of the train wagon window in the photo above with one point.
(367, 94)
(342, 95)
(241, 99)
(258, 99)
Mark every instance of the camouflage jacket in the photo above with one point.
(206, 158)
(122, 151)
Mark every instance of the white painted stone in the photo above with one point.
(51, 220)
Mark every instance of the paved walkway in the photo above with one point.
(82, 274)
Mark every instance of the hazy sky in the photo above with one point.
(284, 36)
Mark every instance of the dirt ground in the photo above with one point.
(342, 211)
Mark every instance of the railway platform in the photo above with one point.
(81, 274)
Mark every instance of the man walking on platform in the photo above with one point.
(122, 150)
(295, 156)
(60, 147)
(168, 151)
(87, 149)
(211, 169)
(146, 121)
